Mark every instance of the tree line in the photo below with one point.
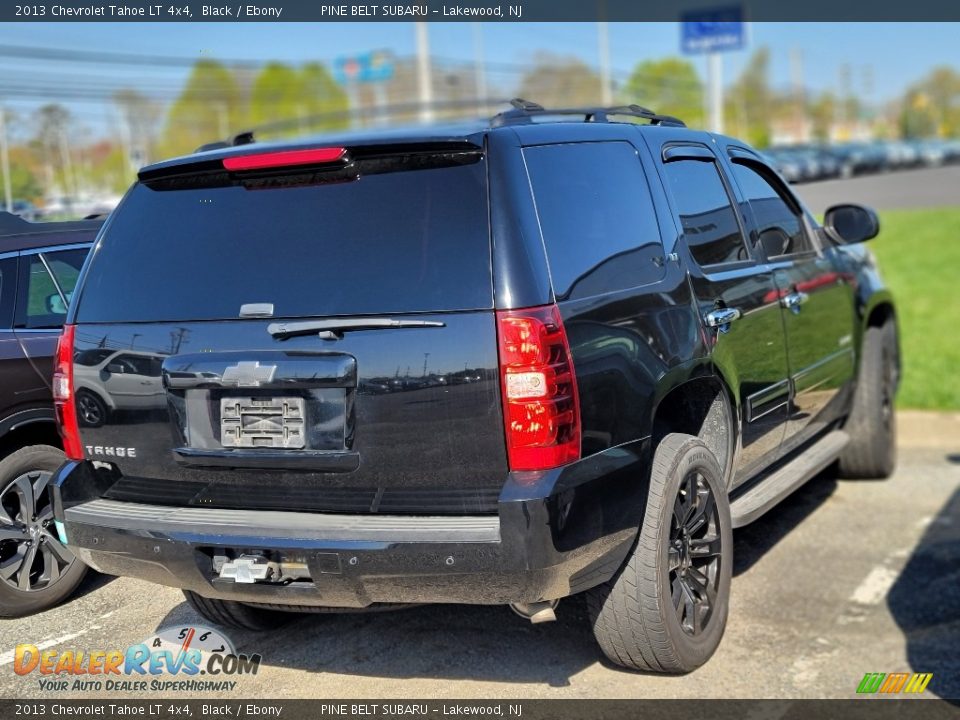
(50, 148)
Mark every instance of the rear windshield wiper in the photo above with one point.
(334, 329)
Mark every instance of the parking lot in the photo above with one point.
(924, 188)
(841, 579)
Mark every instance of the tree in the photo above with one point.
(276, 95)
(917, 118)
(557, 81)
(750, 99)
(822, 113)
(670, 86)
(24, 184)
(51, 143)
(932, 105)
(323, 96)
(140, 117)
(209, 108)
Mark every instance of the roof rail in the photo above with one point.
(524, 112)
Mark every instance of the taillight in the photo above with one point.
(284, 158)
(63, 396)
(540, 405)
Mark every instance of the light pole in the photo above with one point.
(424, 74)
(5, 161)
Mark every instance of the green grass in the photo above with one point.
(919, 256)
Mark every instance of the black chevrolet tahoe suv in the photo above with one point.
(39, 267)
(505, 363)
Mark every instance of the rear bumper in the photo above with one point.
(555, 534)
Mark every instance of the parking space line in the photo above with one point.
(7, 657)
(875, 586)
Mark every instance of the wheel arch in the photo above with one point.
(35, 426)
(879, 311)
(700, 405)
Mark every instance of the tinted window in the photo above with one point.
(149, 365)
(405, 241)
(708, 219)
(66, 265)
(41, 305)
(596, 217)
(93, 357)
(779, 228)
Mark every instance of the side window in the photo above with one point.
(66, 265)
(8, 289)
(707, 217)
(138, 364)
(596, 216)
(780, 230)
(40, 303)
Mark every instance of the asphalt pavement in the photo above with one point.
(924, 187)
(841, 579)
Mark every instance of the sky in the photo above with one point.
(883, 58)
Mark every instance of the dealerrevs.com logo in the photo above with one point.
(189, 658)
(894, 683)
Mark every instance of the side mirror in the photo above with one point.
(849, 224)
(116, 369)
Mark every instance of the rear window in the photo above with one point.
(404, 241)
(596, 216)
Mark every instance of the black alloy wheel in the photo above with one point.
(32, 557)
(694, 553)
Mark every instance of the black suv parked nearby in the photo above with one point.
(507, 363)
(39, 266)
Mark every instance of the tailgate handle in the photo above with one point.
(296, 460)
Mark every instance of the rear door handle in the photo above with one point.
(721, 318)
(794, 300)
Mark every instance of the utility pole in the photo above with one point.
(603, 43)
(424, 73)
(223, 127)
(126, 144)
(479, 68)
(845, 94)
(5, 161)
(867, 78)
(715, 90)
(68, 178)
(796, 77)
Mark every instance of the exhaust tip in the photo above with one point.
(537, 612)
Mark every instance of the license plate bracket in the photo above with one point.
(263, 422)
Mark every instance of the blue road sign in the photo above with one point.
(375, 66)
(713, 30)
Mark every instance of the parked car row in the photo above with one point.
(39, 267)
(809, 162)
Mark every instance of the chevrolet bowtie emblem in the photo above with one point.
(248, 374)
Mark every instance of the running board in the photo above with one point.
(775, 487)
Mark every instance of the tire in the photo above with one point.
(872, 425)
(634, 617)
(36, 570)
(91, 410)
(236, 615)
